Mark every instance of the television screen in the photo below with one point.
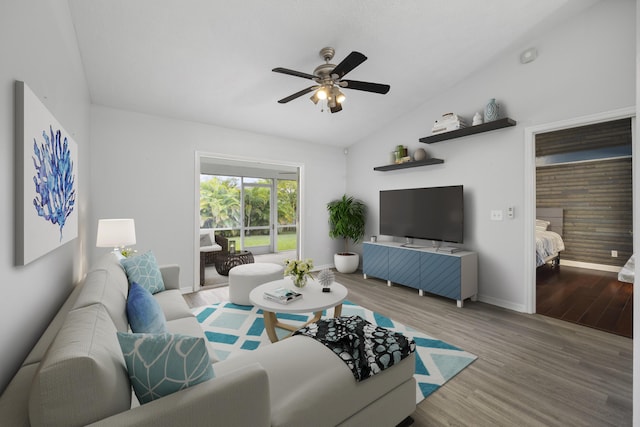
(435, 213)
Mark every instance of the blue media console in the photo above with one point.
(451, 275)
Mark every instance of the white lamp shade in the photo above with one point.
(113, 233)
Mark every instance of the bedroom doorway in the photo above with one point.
(584, 174)
(530, 188)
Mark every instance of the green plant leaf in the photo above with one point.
(347, 218)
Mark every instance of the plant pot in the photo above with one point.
(346, 262)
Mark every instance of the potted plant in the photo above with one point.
(346, 220)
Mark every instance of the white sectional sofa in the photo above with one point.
(76, 374)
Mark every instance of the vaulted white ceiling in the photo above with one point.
(210, 61)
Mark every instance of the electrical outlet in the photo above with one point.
(496, 215)
(614, 254)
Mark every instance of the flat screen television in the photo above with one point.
(435, 213)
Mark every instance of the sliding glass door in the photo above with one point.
(259, 214)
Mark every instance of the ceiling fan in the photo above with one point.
(328, 78)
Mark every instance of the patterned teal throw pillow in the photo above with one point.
(161, 364)
(143, 269)
(144, 312)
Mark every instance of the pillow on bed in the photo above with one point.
(542, 225)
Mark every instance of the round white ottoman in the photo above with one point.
(244, 278)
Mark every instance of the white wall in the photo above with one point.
(585, 66)
(143, 167)
(38, 46)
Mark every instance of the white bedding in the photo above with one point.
(548, 243)
(628, 271)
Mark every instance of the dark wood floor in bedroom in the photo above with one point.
(587, 297)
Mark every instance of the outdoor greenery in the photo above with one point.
(286, 241)
(220, 209)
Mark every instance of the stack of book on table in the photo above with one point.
(282, 295)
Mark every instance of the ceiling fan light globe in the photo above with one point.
(340, 97)
(321, 93)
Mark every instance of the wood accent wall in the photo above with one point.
(596, 196)
(599, 135)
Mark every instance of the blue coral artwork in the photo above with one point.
(54, 178)
(46, 180)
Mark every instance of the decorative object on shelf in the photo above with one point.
(420, 155)
(299, 271)
(491, 111)
(326, 278)
(448, 122)
(232, 246)
(398, 154)
(347, 217)
(477, 119)
(401, 154)
(472, 130)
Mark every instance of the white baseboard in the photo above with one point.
(502, 303)
(590, 266)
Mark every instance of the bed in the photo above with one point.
(628, 271)
(549, 241)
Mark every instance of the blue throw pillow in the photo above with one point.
(161, 364)
(144, 312)
(144, 270)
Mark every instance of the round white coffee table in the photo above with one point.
(313, 301)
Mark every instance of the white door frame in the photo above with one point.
(196, 203)
(530, 188)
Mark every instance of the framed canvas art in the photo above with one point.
(46, 179)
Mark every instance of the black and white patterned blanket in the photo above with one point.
(367, 349)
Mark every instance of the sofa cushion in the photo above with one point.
(205, 239)
(144, 312)
(293, 365)
(190, 326)
(109, 288)
(82, 377)
(144, 270)
(173, 304)
(161, 364)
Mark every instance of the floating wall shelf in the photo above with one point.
(405, 165)
(471, 130)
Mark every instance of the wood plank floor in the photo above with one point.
(532, 370)
(588, 297)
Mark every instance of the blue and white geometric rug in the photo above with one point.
(232, 328)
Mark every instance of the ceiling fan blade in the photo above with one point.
(297, 94)
(349, 63)
(335, 109)
(366, 86)
(293, 73)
